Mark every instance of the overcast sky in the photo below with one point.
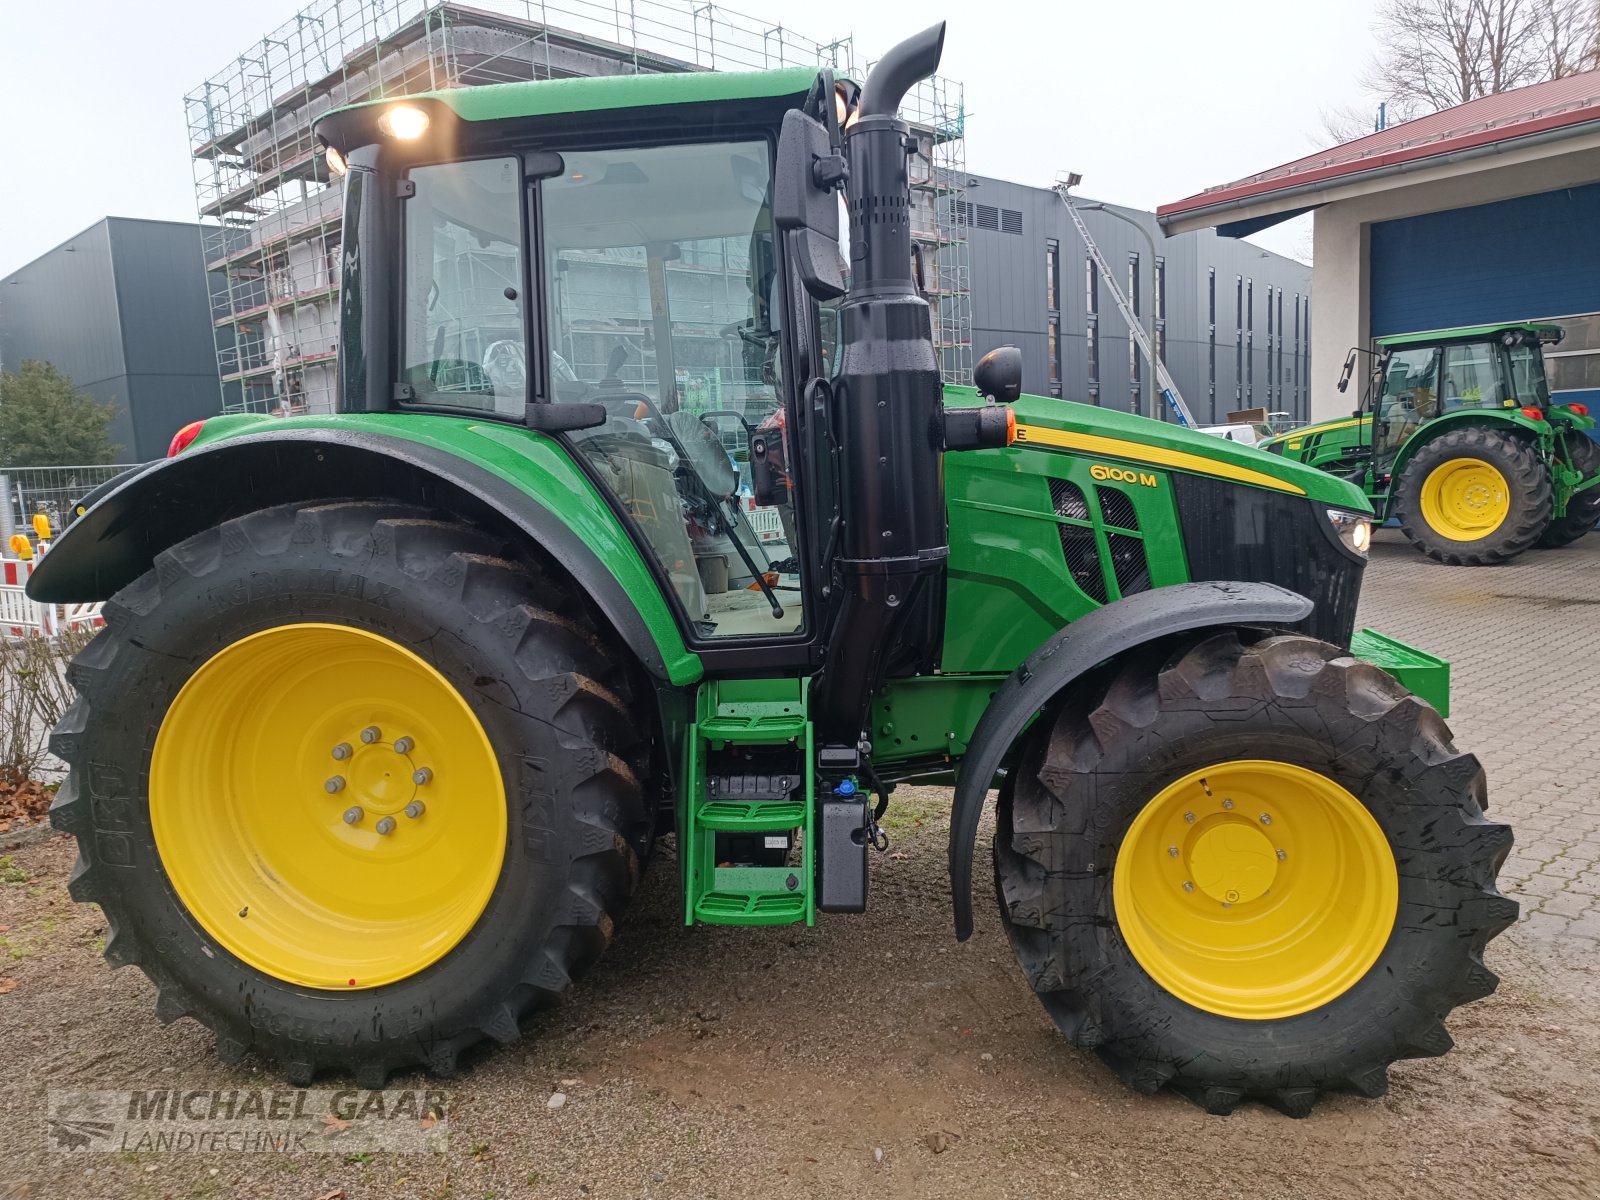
(1151, 100)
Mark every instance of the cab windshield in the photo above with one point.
(663, 305)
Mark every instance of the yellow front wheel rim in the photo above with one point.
(327, 806)
(1255, 889)
(1465, 499)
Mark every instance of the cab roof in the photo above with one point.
(549, 97)
(1473, 333)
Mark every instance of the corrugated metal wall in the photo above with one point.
(62, 309)
(1008, 306)
(121, 308)
(1506, 261)
(165, 318)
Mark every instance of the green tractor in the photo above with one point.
(393, 705)
(1457, 438)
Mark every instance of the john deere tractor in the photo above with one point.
(644, 512)
(1458, 439)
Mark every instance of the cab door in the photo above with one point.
(1408, 399)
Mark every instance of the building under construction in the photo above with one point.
(271, 214)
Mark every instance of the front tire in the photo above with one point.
(352, 789)
(1474, 497)
(1250, 871)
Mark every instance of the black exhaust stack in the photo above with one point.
(888, 408)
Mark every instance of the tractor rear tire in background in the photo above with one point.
(1583, 510)
(1250, 869)
(1474, 497)
(353, 789)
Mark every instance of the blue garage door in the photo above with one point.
(1507, 261)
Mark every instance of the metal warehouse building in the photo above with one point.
(122, 309)
(1481, 213)
(1233, 321)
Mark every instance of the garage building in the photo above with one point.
(1481, 213)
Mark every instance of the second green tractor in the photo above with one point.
(1457, 437)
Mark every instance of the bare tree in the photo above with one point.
(1438, 53)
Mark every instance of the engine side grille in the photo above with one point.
(1078, 545)
(1129, 563)
(1117, 509)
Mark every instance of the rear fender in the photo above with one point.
(1071, 654)
(555, 511)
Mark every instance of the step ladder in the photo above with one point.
(1169, 389)
(749, 789)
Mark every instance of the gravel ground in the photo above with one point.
(871, 1055)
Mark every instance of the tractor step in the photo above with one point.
(746, 828)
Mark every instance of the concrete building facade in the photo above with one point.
(122, 309)
(1233, 321)
(1486, 212)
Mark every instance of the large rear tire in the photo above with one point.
(353, 789)
(1583, 509)
(1474, 497)
(1250, 871)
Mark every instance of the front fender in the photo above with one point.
(1072, 653)
(516, 483)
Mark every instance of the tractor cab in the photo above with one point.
(1418, 377)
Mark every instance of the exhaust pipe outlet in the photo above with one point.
(900, 70)
(888, 407)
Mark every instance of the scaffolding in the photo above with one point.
(271, 216)
(936, 110)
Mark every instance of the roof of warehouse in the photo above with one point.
(1538, 108)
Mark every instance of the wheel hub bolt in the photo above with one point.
(1173, 851)
(335, 784)
(1282, 854)
(421, 776)
(371, 734)
(1189, 817)
(1187, 886)
(342, 751)
(352, 814)
(385, 826)
(404, 745)
(415, 809)
(1227, 804)
(1266, 818)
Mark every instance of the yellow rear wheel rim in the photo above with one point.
(327, 806)
(1255, 889)
(1465, 499)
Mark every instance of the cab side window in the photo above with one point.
(462, 342)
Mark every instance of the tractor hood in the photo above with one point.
(1303, 431)
(1125, 438)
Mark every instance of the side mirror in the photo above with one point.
(1349, 366)
(804, 203)
(999, 374)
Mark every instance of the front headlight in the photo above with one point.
(1354, 529)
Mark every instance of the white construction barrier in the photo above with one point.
(21, 617)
